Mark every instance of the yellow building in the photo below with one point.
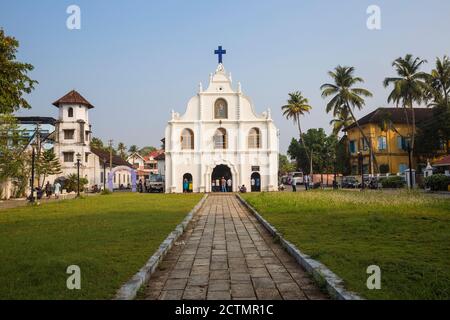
(388, 139)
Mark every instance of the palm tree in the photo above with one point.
(297, 105)
(345, 97)
(439, 82)
(409, 87)
(122, 149)
(341, 121)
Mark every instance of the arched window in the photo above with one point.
(220, 139)
(187, 139)
(220, 109)
(254, 138)
(70, 112)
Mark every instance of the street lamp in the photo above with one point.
(361, 166)
(33, 160)
(78, 174)
(104, 174)
(409, 149)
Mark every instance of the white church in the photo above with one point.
(221, 136)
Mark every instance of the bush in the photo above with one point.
(437, 182)
(71, 183)
(106, 192)
(393, 182)
(384, 168)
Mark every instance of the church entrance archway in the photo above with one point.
(255, 181)
(219, 173)
(119, 168)
(187, 183)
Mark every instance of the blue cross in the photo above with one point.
(220, 52)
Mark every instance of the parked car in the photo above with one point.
(297, 178)
(350, 182)
(155, 183)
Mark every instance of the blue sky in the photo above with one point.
(136, 60)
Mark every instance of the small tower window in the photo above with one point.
(70, 112)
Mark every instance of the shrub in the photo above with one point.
(384, 168)
(106, 192)
(437, 182)
(393, 182)
(71, 183)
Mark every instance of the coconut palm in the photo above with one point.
(439, 82)
(341, 121)
(122, 149)
(410, 86)
(345, 97)
(296, 107)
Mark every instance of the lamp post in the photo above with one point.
(78, 174)
(33, 160)
(104, 174)
(408, 147)
(361, 168)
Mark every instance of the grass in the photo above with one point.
(406, 234)
(109, 237)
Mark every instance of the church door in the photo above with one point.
(255, 182)
(221, 179)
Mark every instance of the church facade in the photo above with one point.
(218, 137)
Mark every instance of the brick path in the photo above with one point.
(227, 254)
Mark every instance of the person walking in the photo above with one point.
(223, 183)
(306, 182)
(252, 184)
(57, 189)
(185, 185)
(48, 189)
(229, 185)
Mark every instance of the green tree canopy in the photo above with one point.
(14, 81)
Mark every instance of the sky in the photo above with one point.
(137, 60)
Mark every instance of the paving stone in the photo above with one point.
(171, 295)
(219, 275)
(240, 277)
(260, 283)
(268, 294)
(242, 290)
(180, 274)
(219, 295)
(194, 293)
(219, 285)
(175, 284)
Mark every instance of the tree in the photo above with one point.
(47, 165)
(439, 83)
(134, 148)
(297, 106)
(345, 97)
(71, 183)
(122, 150)
(284, 165)
(146, 150)
(324, 154)
(14, 161)
(341, 121)
(409, 88)
(97, 143)
(14, 82)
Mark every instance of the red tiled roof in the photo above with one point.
(445, 161)
(396, 115)
(161, 156)
(116, 160)
(73, 97)
(153, 154)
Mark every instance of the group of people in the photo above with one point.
(222, 185)
(49, 189)
(187, 186)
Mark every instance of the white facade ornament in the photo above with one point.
(229, 77)
(220, 68)
(200, 87)
(239, 90)
(269, 114)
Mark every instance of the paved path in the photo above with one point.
(227, 254)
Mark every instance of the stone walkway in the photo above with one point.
(227, 254)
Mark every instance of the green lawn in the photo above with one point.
(110, 237)
(407, 235)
